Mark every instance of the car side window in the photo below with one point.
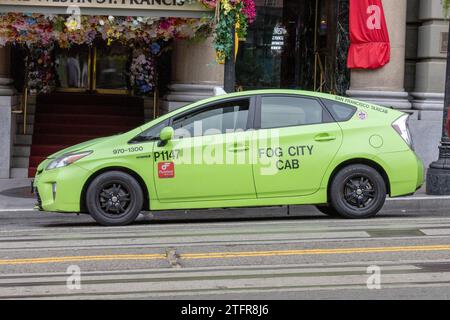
(279, 112)
(221, 118)
(340, 112)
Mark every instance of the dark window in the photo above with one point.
(290, 111)
(340, 112)
(218, 119)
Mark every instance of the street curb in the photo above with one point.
(417, 203)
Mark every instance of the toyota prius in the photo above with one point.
(246, 149)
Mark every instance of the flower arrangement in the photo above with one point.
(143, 75)
(40, 66)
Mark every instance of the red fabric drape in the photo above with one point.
(370, 47)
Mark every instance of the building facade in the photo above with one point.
(291, 44)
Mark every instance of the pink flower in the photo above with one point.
(249, 10)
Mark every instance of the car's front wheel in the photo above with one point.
(114, 199)
(357, 192)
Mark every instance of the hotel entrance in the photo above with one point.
(96, 69)
(296, 45)
(99, 80)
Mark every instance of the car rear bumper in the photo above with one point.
(405, 171)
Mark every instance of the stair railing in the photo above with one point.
(25, 108)
(155, 103)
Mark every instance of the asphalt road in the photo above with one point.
(225, 254)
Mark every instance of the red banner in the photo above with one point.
(370, 47)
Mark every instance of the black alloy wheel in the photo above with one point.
(357, 192)
(114, 198)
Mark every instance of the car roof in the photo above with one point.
(249, 93)
(277, 91)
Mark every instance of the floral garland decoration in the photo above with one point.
(38, 29)
(229, 13)
(40, 66)
(237, 13)
(143, 73)
(41, 33)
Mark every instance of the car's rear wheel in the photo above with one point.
(358, 192)
(114, 199)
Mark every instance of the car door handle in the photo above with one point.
(324, 137)
(238, 148)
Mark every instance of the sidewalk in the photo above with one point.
(15, 194)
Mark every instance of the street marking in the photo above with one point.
(16, 210)
(224, 255)
(155, 256)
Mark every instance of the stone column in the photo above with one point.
(7, 101)
(195, 73)
(412, 31)
(385, 86)
(432, 54)
(5, 81)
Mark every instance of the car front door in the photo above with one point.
(209, 157)
(296, 141)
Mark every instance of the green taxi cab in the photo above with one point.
(246, 149)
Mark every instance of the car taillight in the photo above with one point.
(401, 127)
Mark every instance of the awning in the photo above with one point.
(146, 8)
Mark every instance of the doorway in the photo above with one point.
(93, 69)
(293, 45)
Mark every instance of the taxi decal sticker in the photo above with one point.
(166, 170)
(294, 153)
(362, 115)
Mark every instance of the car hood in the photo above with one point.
(78, 147)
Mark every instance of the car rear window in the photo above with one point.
(341, 112)
(277, 112)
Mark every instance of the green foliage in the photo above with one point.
(445, 6)
(224, 38)
(231, 17)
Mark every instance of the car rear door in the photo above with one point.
(295, 142)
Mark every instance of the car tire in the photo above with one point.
(328, 210)
(114, 198)
(358, 192)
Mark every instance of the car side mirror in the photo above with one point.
(166, 134)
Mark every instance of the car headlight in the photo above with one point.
(67, 159)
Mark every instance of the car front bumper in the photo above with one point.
(59, 190)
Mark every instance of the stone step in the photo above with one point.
(20, 129)
(21, 151)
(20, 162)
(16, 173)
(24, 139)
